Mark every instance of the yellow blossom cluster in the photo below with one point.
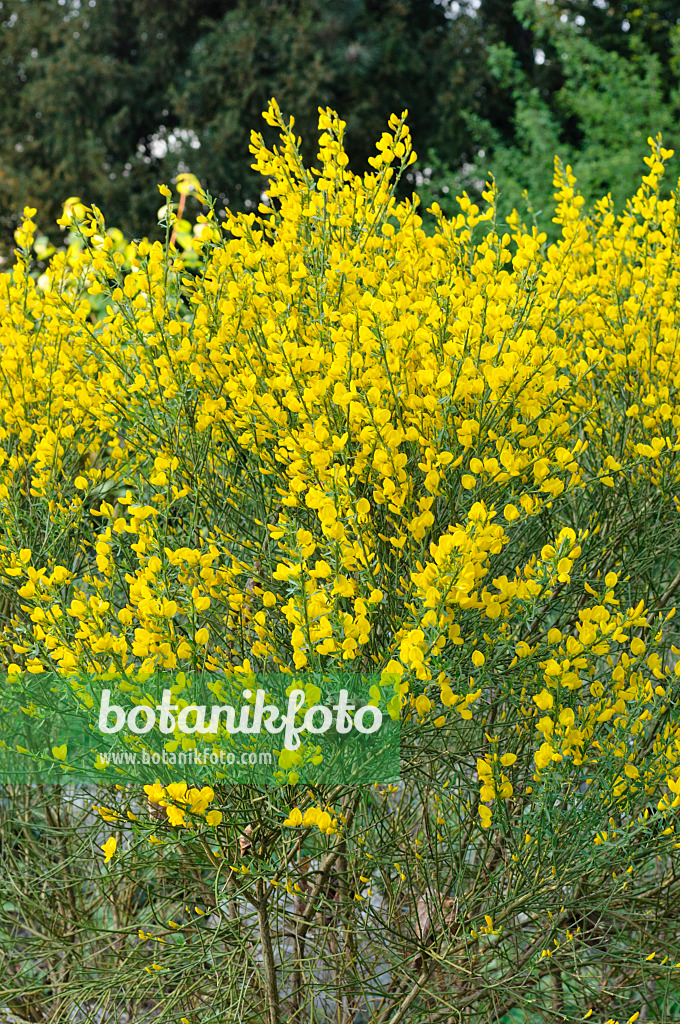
(334, 438)
(178, 799)
(312, 816)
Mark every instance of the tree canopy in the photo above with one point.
(105, 98)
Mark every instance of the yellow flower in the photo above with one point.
(107, 814)
(109, 848)
(544, 700)
(177, 791)
(423, 704)
(155, 793)
(324, 821)
(176, 815)
(294, 818)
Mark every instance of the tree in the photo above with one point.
(583, 81)
(83, 97)
(107, 99)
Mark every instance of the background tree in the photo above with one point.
(584, 79)
(104, 99)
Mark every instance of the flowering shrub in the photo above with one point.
(329, 440)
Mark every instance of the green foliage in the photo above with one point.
(581, 86)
